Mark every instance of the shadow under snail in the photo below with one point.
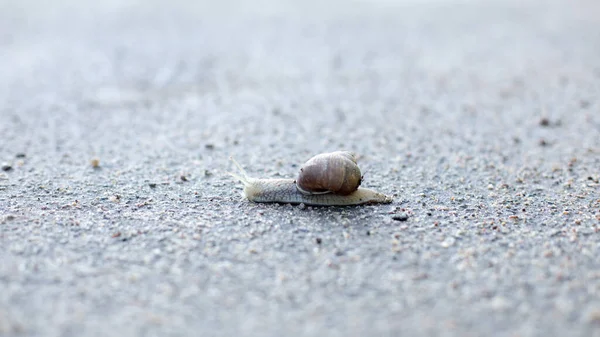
(327, 179)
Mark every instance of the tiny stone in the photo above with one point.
(400, 217)
(20, 155)
(6, 167)
(543, 142)
(544, 121)
(152, 185)
(449, 241)
(209, 146)
(95, 163)
(318, 241)
(499, 303)
(584, 104)
(183, 178)
(593, 316)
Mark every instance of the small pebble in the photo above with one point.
(318, 241)
(20, 155)
(544, 121)
(584, 104)
(209, 146)
(95, 162)
(593, 316)
(6, 167)
(183, 178)
(152, 185)
(449, 241)
(400, 217)
(500, 303)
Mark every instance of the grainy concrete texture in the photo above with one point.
(482, 118)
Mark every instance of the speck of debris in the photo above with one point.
(152, 185)
(209, 146)
(318, 241)
(593, 316)
(543, 142)
(207, 173)
(6, 167)
(368, 233)
(544, 121)
(584, 104)
(116, 235)
(95, 162)
(9, 217)
(183, 178)
(20, 155)
(400, 217)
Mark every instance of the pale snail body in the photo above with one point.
(288, 191)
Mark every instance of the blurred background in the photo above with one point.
(268, 80)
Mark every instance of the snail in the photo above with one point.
(327, 179)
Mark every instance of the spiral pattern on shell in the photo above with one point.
(334, 172)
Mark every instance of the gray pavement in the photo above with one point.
(482, 118)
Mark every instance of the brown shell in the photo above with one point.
(334, 172)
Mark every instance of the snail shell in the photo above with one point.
(334, 172)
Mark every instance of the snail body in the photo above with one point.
(333, 180)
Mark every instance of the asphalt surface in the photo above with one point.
(482, 118)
